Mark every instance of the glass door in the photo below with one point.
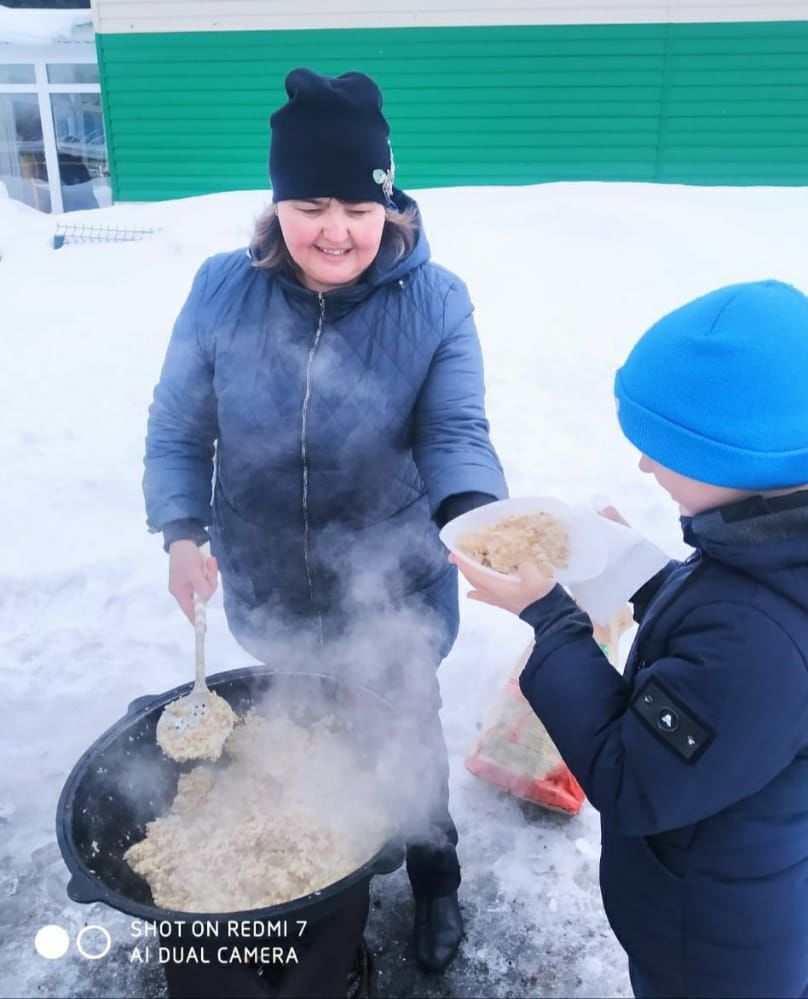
(53, 152)
(23, 170)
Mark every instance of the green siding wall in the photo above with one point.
(687, 103)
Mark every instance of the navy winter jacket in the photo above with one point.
(697, 758)
(341, 422)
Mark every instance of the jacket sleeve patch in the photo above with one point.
(673, 724)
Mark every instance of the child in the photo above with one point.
(697, 757)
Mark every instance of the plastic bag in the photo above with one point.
(515, 751)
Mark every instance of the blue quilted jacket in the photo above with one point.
(338, 424)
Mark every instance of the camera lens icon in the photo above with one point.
(93, 942)
(51, 942)
(88, 943)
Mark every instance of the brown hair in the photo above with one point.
(269, 252)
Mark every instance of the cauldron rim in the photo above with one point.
(85, 886)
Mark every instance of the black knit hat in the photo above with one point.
(330, 140)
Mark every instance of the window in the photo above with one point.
(72, 72)
(59, 168)
(16, 73)
(23, 169)
(81, 150)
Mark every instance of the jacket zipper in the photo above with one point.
(303, 454)
(640, 662)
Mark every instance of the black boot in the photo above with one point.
(438, 930)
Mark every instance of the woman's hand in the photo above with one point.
(511, 595)
(189, 572)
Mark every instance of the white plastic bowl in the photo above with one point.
(588, 551)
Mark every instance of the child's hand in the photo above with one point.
(610, 513)
(511, 595)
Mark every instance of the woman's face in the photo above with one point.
(331, 241)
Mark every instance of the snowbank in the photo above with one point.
(29, 26)
(564, 277)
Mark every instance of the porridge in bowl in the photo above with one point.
(504, 545)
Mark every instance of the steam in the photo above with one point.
(389, 645)
(371, 662)
(379, 617)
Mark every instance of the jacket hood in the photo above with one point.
(385, 268)
(764, 537)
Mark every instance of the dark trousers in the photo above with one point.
(644, 988)
(325, 953)
(432, 863)
(640, 984)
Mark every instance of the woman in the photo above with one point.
(335, 373)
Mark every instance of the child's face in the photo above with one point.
(692, 496)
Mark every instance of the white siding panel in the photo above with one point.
(740, 10)
(272, 15)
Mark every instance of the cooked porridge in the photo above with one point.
(286, 813)
(540, 538)
(185, 734)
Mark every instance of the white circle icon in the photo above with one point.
(94, 954)
(51, 942)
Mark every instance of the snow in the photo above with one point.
(564, 277)
(29, 26)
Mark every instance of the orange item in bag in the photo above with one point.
(515, 751)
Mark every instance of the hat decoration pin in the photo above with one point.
(385, 177)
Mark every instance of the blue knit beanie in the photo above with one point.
(330, 140)
(718, 389)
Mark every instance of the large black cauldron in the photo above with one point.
(103, 808)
